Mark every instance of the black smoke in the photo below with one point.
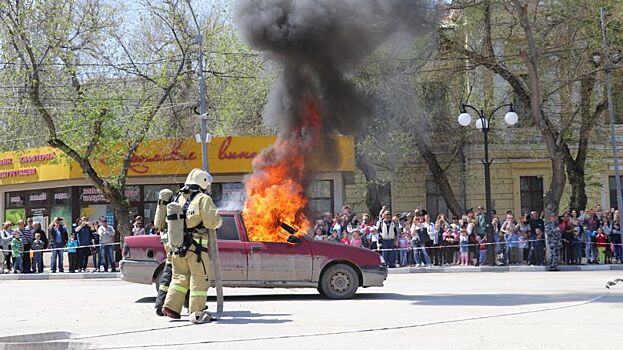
(317, 43)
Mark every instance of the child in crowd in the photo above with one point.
(448, 246)
(345, 239)
(464, 247)
(374, 238)
(72, 251)
(483, 250)
(403, 244)
(577, 245)
(602, 243)
(318, 234)
(356, 241)
(37, 261)
(17, 249)
(513, 246)
(524, 247)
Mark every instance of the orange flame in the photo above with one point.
(275, 191)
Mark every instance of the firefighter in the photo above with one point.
(164, 198)
(189, 217)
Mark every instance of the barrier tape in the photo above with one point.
(480, 244)
(64, 248)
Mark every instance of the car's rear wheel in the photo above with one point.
(339, 281)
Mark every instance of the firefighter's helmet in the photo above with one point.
(199, 178)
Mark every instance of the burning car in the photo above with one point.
(335, 269)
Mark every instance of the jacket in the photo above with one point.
(17, 247)
(52, 236)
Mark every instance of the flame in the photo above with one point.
(275, 191)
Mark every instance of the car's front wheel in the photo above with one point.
(339, 281)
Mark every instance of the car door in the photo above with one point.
(232, 251)
(272, 261)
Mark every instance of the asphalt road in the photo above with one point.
(529, 310)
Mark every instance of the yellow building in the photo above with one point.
(43, 183)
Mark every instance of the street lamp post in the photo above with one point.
(483, 123)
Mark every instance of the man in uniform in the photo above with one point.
(164, 198)
(554, 240)
(190, 260)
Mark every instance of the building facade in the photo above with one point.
(44, 183)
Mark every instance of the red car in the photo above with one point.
(335, 269)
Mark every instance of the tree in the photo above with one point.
(526, 58)
(95, 78)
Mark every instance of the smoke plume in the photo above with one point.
(317, 43)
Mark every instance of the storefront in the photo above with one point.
(44, 183)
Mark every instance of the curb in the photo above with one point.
(58, 276)
(471, 269)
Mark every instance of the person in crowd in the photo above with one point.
(566, 231)
(58, 240)
(138, 229)
(480, 222)
(344, 239)
(615, 238)
(6, 236)
(537, 246)
(590, 224)
(601, 241)
(577, 244)
(107, 238)
(419, 231)
(524, 246)
(403, 246)
(72, 252)
(318, 234)
(95, 250)
(513, 248)
(26, 237)
(554, 240)
(44, 238)
(355, 241)
(448, 246)
(464, 247)
(389, 232)
(84, 236)
(374, 238)
(507, 230)
(17, 249)
(482, 248)
(335, 236)
(473, 239)
(37, 260)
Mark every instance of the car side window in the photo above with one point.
(228, 231)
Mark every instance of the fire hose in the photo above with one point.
(215, 263)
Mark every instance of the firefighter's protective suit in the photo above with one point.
(164, 197)
(190, 260)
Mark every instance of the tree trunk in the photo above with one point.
(373, 189)
(120, 205)
(439, 175)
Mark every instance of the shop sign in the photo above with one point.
(224, 152)
(61, 196)
(37, 158)
(41, 197)
(133, 193)
(92, 195)
(18, 173)
(16, 200)
(138, 161)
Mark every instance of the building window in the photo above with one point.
(531, 188)
(613, 191)
(320, 194)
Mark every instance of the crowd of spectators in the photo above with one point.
(22, 248)
(414, 239)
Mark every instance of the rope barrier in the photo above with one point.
(64, 248)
